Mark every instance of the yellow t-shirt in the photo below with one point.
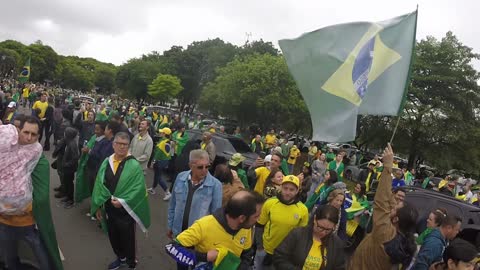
(42, 106)
(270, 139)
(26, 92)
(207, 234)
(294, 154)
(262, 174)
(315, 257)
(20, 220)
(279, 219)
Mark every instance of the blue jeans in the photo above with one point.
(159, 167)
(9, 237)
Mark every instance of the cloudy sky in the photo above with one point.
(116, 30)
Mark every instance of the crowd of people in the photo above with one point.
(271, 215)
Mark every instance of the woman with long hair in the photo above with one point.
(321, 192)
(230, 181)
(273, 184)
(319, 167)
(306, 182)
(313, 247)
(336, 199)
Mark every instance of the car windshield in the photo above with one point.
(239, 145)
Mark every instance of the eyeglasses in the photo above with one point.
(121, 144)
(202, 167)
(323, 229)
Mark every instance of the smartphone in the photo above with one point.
(262, 155)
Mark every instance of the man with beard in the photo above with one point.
(279, 216)
(223, 239)
(24, 200)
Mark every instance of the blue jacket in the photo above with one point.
(431, 251)
(206, 200)
(398, 183)
(99, 153)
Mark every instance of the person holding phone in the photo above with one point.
(259, 173)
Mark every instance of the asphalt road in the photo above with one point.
(85, 246)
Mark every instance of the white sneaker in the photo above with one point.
(88, 215)
(167, 197)
(151, 191)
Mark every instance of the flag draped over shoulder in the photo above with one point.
(42, 211)
(25, 73)
(350, 69)
(82, 189)
(131, 192)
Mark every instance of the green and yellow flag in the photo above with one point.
(25, 73)
(350, 69)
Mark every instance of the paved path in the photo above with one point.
(85, 246)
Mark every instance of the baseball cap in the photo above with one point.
(165, 131)
(291, 179)
(268, 158)
(236, 159)
(12, 104)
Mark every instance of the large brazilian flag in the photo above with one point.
(350, 69)
(25, 72)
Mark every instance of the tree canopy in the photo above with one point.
(257, 89)
(441, 117)
(251, 84)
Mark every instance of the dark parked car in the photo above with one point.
(226, 145)
(427, 200)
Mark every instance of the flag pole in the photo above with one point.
(395, 130)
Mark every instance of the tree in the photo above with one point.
(73, 76)
(9, 61)
(259, 47)
(164, 87)
(135, 76)
(258, 89)
(104, 79)
(43, 62)
(441, 116)
(196, 66)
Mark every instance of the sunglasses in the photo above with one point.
(202, 167)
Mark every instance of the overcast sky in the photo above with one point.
(116, 30)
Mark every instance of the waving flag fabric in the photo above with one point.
(25, 72)
(350, 69)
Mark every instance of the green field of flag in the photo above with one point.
(349, 69)
(25, 73)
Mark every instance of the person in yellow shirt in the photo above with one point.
(313, 247)
(279, 216)
(270, 139)
(259, 172)
(41, 104)
(312, 152)
(25, 94)
(224, 238)
(292, 158)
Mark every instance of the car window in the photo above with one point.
(452, 207)
(222, 145)
(239, 145)
(194, 135)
